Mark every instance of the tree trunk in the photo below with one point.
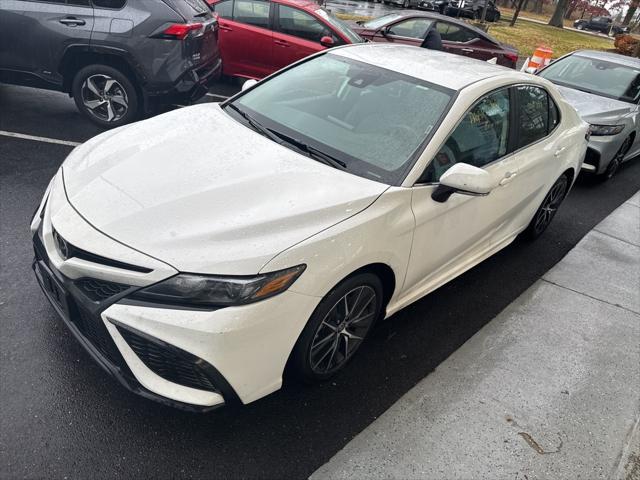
(538, 8)
(516, 13)
(633, 6)
(558, 14)
(572, 8)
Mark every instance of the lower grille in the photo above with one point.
(94, 330)
(592, 158)
(169, 362)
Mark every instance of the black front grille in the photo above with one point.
(100, 290)
(169, 362)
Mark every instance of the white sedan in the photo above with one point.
(198, 254)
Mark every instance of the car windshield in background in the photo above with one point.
(340, 26)
(371, 120)
(596, 76)
(381, 21)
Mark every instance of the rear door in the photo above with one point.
(408, 31)
(44, 31)
(296, 35)
(464, 41)
(246, 37)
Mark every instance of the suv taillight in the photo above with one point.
(179, 31)
(513, 57)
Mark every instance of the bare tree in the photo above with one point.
(558, 14)
(516, 13)
(633, 6)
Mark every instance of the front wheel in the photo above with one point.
(548, 208)
(616, 161)
(105, 96)
(337, 327)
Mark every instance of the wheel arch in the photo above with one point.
(386, 275)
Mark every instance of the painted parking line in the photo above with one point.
(39, 139)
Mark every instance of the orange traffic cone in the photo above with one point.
(540, 59)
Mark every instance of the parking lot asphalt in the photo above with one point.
(61, 416)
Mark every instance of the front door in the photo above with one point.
(451, 236)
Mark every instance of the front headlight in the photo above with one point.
(187, 289)
(602, 130)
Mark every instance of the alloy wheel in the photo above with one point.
(104, 97)
(342, 330)
(550, 206)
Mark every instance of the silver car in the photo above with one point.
(605, 90)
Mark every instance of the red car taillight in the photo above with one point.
(179, 31)
(513, 57)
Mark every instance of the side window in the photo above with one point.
(224, 9)
(114, 4)
(412, 28)
(480, 138)
(252, 12)
(533, 117)
(300, 24)
(554, 115)
(454, 33)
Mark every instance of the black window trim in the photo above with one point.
(550, 98)
(63, 2)
(109, 8)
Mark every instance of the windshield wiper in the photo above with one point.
(255, 124)
(312, 151)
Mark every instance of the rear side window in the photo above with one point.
(454, 33)
(252, 12)
(412, 28)
(224, 9)
(538, 114)
(114, 4)
(300, 24)
(479, 139)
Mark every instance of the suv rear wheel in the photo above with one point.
(105, 96)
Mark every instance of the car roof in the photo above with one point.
(609, 56)
(441, 68)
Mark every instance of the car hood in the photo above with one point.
(205, 194)
(595, 108)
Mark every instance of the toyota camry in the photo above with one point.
(198, 254)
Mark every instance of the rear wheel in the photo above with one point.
(337, 327)
(548, 209)
(105, 96)
(580, 26)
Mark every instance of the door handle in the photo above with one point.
(509, 176)
(72, 21)
(225, 28)
(282, 43)
(467, 50)
(559, 151)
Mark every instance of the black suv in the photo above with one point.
(116, 58)
(600, 24)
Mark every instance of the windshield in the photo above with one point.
(600, 77)
(340, 26)
(377, 23)
(371, 120)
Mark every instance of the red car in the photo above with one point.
(457, 36)
(258, 37)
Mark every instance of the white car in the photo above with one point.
(199, 253)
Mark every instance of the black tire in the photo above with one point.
(325, 326)
(112, 92)
(496, 17)
(616, 161)
(547, 209)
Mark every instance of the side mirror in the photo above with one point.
(464, 179)
(327, 42)
(385, 31)
(249, 83)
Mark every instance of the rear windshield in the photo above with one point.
(600, 77)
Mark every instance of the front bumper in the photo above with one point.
(191, 359)
(601, 150)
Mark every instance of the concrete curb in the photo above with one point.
(550, 388)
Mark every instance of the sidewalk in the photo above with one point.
(550, 388)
